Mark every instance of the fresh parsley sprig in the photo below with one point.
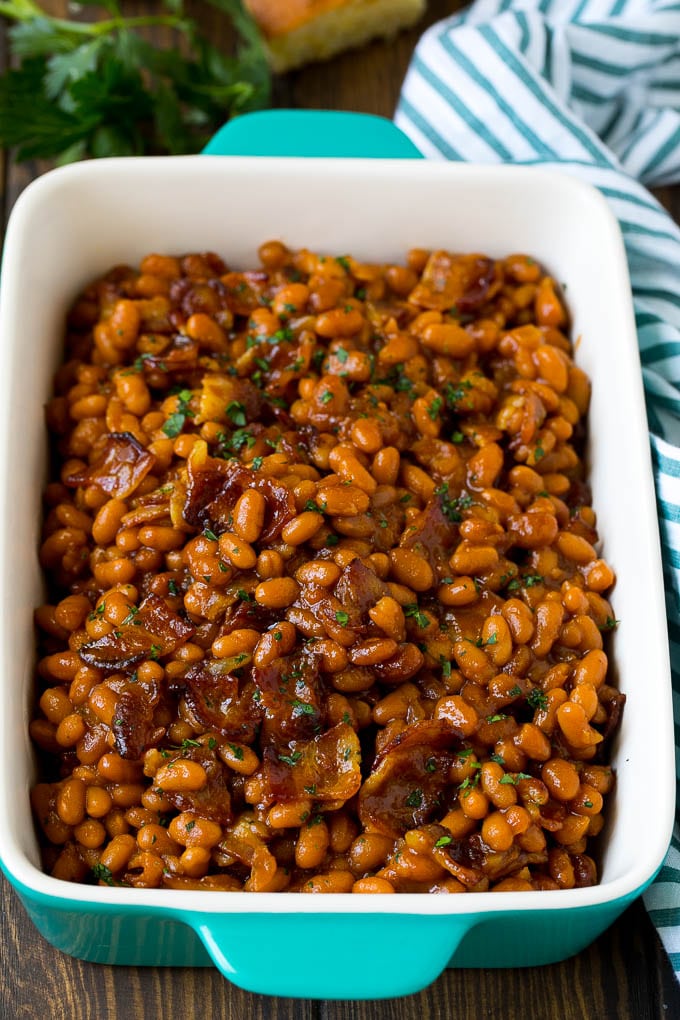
(100, 88)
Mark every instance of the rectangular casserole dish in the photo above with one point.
(76, 222)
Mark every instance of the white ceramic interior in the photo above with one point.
(76, 222)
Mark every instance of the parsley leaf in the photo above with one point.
(99, 88)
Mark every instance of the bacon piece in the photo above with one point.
(405, 790)
(155, 630)
(122, 465)
(450, 281)
(215, 485)
(132, 724)
(180, 355)
(213, 800)
(433, 537)
(359, 588)
(326, 768)
(219, 392)
(409, 778)
(291, 698)
(220, 701)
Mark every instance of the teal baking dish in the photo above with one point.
(77, 221)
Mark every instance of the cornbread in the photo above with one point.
(300, 31)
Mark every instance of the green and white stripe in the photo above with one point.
(591, 87)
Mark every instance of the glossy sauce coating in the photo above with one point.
(327, 609)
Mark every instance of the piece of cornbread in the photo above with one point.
(300, 31)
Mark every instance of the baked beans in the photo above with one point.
(328, 611)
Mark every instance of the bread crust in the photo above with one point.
(297, 32)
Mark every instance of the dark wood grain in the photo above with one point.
(624, 975)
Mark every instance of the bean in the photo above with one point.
(411, 569)
(312, 844)
(239, 758)
(574, 547)
(117, 853)
(496, 832)
(385, 466)
(289, 814)
(189, 830)
(71, 802)
(332, 882)
(161, 537)
(461, 716)
(373, 651)
(574, 724)
(240, 641)
(321, 572)
(277, 593)
(339, 323)
(561, 778)
(343, 501)
(302, 528)
(249, 514)
(344, 462)
(388, 615)
(181, 774)
(237, 552)
(274, 643)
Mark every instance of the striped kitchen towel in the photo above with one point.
(591, 87)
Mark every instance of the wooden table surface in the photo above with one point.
(624, 975)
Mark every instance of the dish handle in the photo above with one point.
(329, 133)
(330, 955)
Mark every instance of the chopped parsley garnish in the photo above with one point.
(444, 841)
(509, 779)
(210, 535)
(172, 587)
(435, 407)
(326, 397)
(341, 354)
(452, 508)
(291, 759)
(537, 698)
(303, 707)
(457, 394)
(342, 617)
(174, 424)
(469, 783)
(528, 581)
(415, 798)
(284, 336)
(344, 262)
(239, 439)
(103, 874)
(236, 412)
(236, 751)
(413, 611)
